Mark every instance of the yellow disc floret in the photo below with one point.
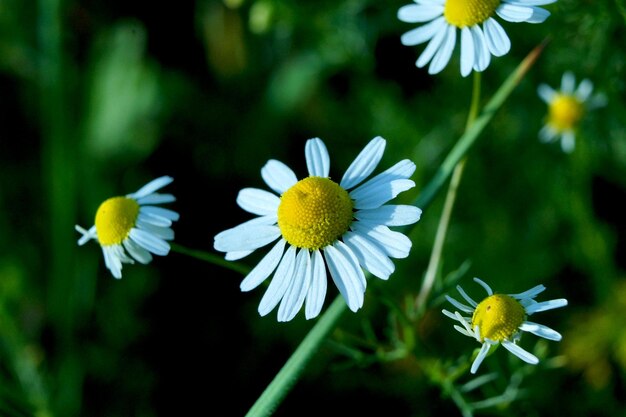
(467, 13)
(114, 219)
(314, 213)
(565, 112)
(498, 317)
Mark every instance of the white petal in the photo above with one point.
(87, 235)
(497, 40)
(531, 293)
(442, 57)
(539, 15)
(390, 215)
(469, 299)
(546, 93)
(459, 305)
(568, 82)
(384, 186)
(467, 52)
(568, 141)
(394, 244)
(482, 57)
(532, 2)
(156, 198)
(152, 219)
(482, 354)
(485, 286)
(280, 282)
(151, 187)
(111, 261)
(547, 134)
(296, 293)
(317, 159)
(236, 255)
(546, 305)
(278, 176)
(264, 268)
(137, 252)
(246, 237)
(514, 13)
(149, 241)
(257, 201)
(160, 211)
(520, 353)
(423, 33)
(162, 232)
(364, 164)
(540, 330)
(317, 290)
(370, 256)
(414, 13)
(346, 274)
(584, 90)
(434, 44)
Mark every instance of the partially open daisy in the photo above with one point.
(133, 225)
(321, 223)
(566, 108)
(500, 319)
(481, 35)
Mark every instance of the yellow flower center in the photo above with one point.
(565, 112)
(467, 13)
(314, 213)
(498, 317)
(114, 219)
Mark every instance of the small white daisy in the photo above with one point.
(478, 43)
(500, 319)
(133, 224)
(321, 223)
(566, 108)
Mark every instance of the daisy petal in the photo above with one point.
(161, 212)
(390, 215)
(394, 244)
(151, 187)
(264, 268)
(137, 252)
(296, 293)
(423, 33)
(317, 160)
(546, 305)
(514, 13)
(497, 40)
(149, 241)
(482, 354)
(364, 164)
(156, 198)
(317, 290)
(280, 282)
(520, 353)
(467, 52)
(278, 176)
(482, 57)
(370, 256)
(433, 46)
(257, 201)
(540, 330)
(246, 237)
(419, 13)
(442, 57)
(346, 274)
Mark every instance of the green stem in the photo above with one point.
(444, 220)
(295, 365)
(211, 258)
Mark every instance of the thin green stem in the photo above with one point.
(295, 365)
(211, 258)
(444, 220)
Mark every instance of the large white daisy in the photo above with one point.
(566, 108)
(321, 224)
(481, 35)
(500, 319)
(133, 225)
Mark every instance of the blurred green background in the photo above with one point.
(98, 98)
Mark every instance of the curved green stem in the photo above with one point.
(444, 220)
(211, 258)
(295, 365)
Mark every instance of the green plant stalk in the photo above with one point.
(211, 258)
(284, 380)
(444, 220)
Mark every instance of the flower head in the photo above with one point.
(318, 224)
(133, 225)
(500, 319)
(566, 108)
(481, 35)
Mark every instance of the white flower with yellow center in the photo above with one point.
(500, 319)
(481, 35)
(133, 225)
(566, 108)
(343, 226)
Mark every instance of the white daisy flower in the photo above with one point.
(500, 319)
(321, 224)
(566, 108)
(478, 42)
(133, 225)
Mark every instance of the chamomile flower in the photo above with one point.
(132, 227)
(501, 318)
(566, 108)
(481, 35)
(318, 223)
